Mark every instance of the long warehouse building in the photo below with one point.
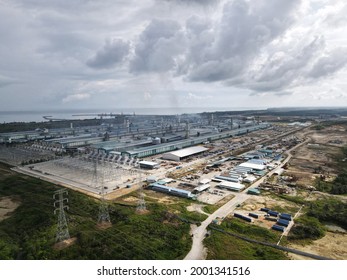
(172, 146)
(181, 154)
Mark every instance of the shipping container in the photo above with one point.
(264, 209)
(278, 228)
(271, 219)
(273, 213)
(282, 222)
(242, 217)
(253, 215)
(286, 217)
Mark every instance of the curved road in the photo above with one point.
(198, 251)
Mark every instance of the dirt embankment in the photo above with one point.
(7, 206)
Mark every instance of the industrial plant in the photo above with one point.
(239, 167)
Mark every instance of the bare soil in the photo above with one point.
(318, 156)
(332, 245)
(7, 206)
(196, 208)
(64, 244)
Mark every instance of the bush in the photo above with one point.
(307, 228)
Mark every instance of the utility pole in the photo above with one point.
(60, 206)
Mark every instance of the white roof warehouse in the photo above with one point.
(183, 153)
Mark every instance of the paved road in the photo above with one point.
(198, 251)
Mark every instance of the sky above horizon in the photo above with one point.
(85, 54)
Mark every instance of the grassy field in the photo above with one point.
(29, 232)
(224, 247)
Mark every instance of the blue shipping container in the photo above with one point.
(286, 217)
(273, 213)
(242, 217)
(283, 222)
(278, 228)
(253, 215)
(264, 209)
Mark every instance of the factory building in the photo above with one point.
(76, 141)
(184, 153)
(148, 164)
(231, 186)
(230, 179)
(121, 146)
(253, 165)
(202, 188)
(167, 147)
(171, 138)
(172, 191)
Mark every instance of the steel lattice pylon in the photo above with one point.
(104, 215)
(62, 229)
(141, 204)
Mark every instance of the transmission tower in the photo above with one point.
(104, 216)
(60, 206)
(141, 204)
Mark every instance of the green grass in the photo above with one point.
(210, 208)
(296, 199)
(224, 247)
(29, 233)
(307, 227)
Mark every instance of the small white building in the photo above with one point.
(253, 166)
(204, 181)
(231, 186)
(148, 164)
(202, 188)
(151, 179)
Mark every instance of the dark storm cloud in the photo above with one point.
(111, 55)
(157, 47)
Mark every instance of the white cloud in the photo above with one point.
(76, 97)
(194, 97)
(147, 96)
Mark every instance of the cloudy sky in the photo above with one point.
(110, 54)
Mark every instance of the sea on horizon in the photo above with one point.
(38, 116)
